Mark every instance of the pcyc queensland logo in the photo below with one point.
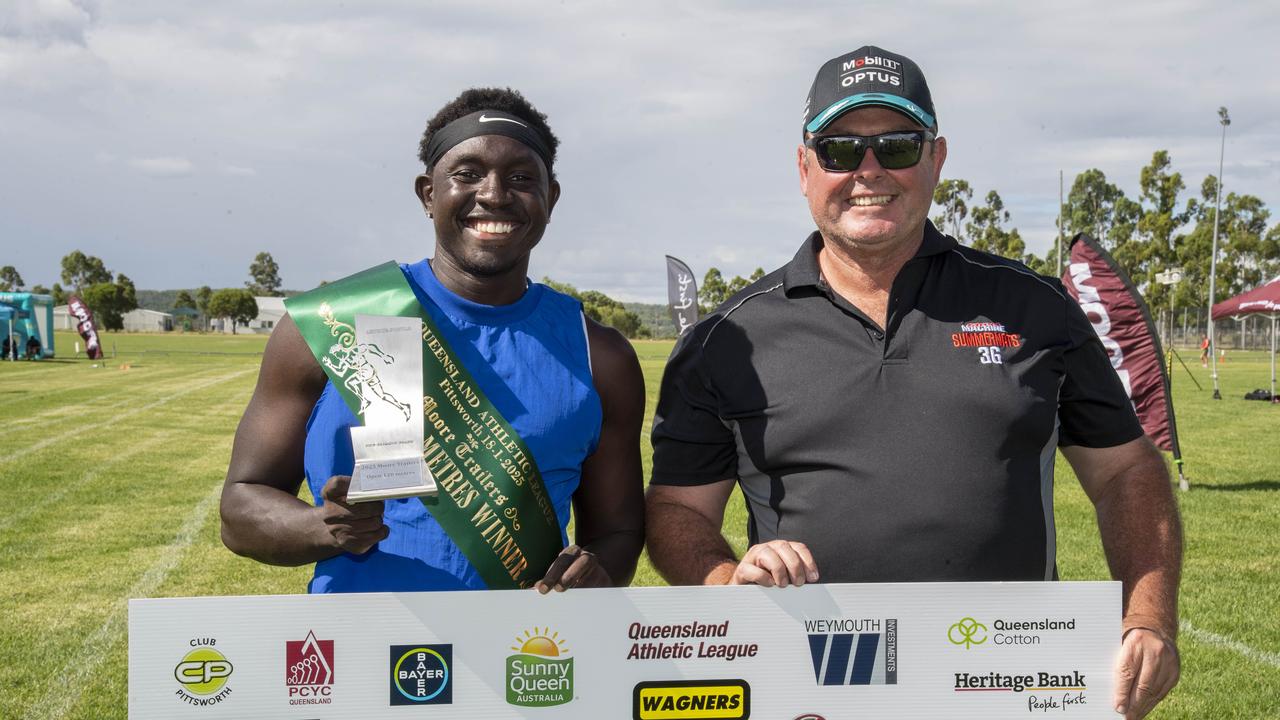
(967, 632)
(308, 670)
(540, 674)
(202, 674)
(421, 674)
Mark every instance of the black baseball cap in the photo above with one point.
(868, 76)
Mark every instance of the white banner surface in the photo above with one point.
(829, 652)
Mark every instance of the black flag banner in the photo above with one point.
(682, 295)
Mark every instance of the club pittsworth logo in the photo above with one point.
(702, 699)
(421, 674)
(202, 674)
(854, 652)
(308, 670)
(967, 632)
(540, 673)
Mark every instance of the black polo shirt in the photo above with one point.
(919, 451)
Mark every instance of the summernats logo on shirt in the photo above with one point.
(988, 337)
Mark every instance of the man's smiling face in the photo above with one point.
(491, 197)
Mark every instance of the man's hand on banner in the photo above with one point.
(1146, 671)
(574, 567)
(777, 563)
(352, 527)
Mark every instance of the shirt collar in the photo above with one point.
(803, 269)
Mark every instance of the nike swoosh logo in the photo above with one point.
(485, 118)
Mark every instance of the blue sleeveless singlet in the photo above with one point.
(531, 359)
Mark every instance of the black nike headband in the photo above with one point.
(486, 122)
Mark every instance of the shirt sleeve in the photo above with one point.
(1093, 408)
(691, 444)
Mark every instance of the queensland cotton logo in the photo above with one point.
(539, 674)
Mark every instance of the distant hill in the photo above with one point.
(162, 300)
(654, 317)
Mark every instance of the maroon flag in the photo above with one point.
(84, 324)
(1123, 323)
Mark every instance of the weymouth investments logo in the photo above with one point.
(308, 670)
(540, 674)
(420, 674)
(967, 632)
(854, 652)
(202, 674)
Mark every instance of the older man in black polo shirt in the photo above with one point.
(890, 402)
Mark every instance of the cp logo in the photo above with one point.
(203, 671)
(968, 632)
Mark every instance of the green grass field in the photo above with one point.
(111, 476)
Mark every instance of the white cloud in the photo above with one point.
(163, 166)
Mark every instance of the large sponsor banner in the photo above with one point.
(954, 650)
(1123, 323)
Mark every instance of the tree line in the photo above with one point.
(110, 295)
(1147, 235)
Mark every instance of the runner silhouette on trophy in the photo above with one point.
(364, 379)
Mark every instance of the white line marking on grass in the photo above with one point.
(72, 677)
(1224, 642)
(92, 401)
(87, 477)
(90, 425)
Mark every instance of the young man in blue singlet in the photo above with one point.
(570, 387)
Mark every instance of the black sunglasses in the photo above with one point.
(894, 150)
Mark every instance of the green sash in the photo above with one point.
(491, 499)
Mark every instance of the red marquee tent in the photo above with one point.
(1262, 300)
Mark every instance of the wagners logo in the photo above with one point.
(694, 699)
(539, 674)
(420, 674)
(308, 670)
(202, 674)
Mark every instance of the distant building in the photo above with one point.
(147, 321)
(270, 311)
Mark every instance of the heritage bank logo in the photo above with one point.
(539, 674)
(420, 675)
(702, 699)
(202, 674)
(308, 670)
(848, 651)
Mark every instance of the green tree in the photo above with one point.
(203, 295)
(952, 197)
(986, 228)
(10, 280)
(1099, 208)
(79, 271)
(109, 301)
(40, 290)
(715, 289)
(602, 308)
(59, 295)
(264, 276)
(236, 305)
(1248, 254)
(1152, 251)
(184, 300)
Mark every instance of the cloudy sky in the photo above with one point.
(175, 140)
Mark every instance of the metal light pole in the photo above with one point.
(1225, 120)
